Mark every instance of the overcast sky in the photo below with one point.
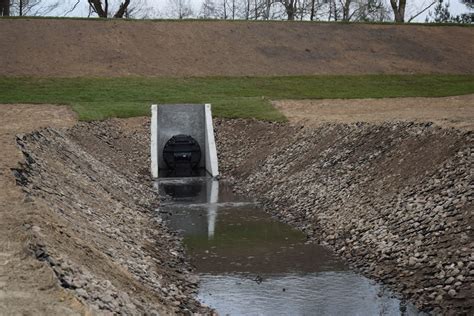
(160, 7)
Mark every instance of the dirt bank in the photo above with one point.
(395, 198)
(27, 286)
(455, 111)
(98, 233)
(71, 48)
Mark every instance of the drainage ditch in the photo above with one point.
(394, 200)
(249, 263)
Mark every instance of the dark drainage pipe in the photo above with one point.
(182, 154)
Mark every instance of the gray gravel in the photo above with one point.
(394, 199)
(102, 238)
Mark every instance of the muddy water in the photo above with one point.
(251, 264)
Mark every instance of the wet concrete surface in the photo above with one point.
(251, 264)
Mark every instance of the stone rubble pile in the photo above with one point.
(395, 199)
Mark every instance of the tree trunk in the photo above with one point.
(106, 8)
(97, 6)
(4, 7)
(256, 9)
(313, 2)
(291, 15)
(267, 10)
(247, 11)
(398, 10)
(123, 8)
(345, 10)
(225, 9)
(290, 9)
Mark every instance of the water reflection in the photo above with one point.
(328, 293)
(253, 265)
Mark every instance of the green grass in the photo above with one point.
(231, 97)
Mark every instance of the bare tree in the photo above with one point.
(290, 8)
(4, 7)
(371, 10)
(468, 3)
(24, 7)
(422, 11)
(31, 7)
(102, 10)
(313, 10)
(122, 9)
(180, 9)
(364, 10)
(140, 9)
(334, 11)
(398, 7)
(96, 6)
(346, 5)
(208, 10)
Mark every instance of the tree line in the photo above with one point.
(313, 10)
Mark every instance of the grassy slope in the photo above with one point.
(99, 98)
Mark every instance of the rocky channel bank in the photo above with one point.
(394, 199)
(101, 237)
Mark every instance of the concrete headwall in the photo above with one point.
(177, 119)
(194, 120)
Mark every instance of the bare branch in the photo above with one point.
(73, 8)
(421, 12)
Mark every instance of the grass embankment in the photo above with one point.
(231, 97)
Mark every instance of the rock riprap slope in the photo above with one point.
(99, 235)
(395, 199)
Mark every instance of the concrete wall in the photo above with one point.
(195, 120)
(177, 119)
(211, 150)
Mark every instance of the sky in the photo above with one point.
(160, 8)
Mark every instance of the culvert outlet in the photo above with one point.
(182, 141)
